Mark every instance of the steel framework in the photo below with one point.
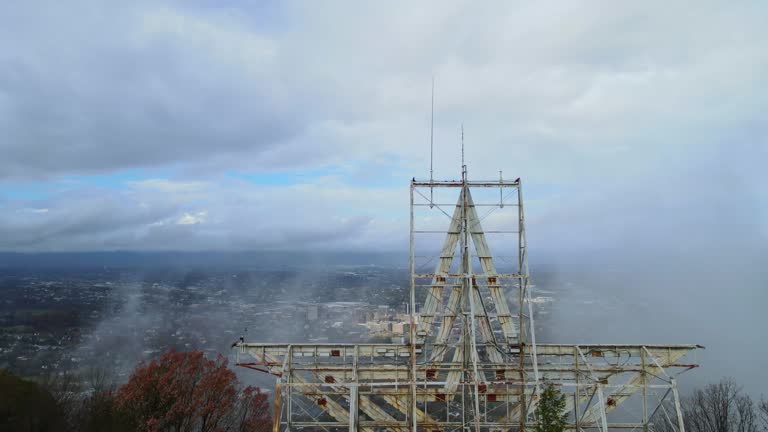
(471, 361)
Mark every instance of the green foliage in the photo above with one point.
(549, 412)
(24, 406)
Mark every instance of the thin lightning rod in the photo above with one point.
(462, 145)
(431, 143)
(432, 130)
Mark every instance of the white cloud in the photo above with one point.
(165, 185)
(586, 102)
(192, 218)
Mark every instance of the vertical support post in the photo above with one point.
(469, 292)
(526, 295)
(521, 317)
(644, 375)
(577, 393)
(412, 329)
(289, 387)
(678, 408)
(601, 401)
(473, 345)
(276, 416)
(520, 258)
(523, 386)
(501, 191)
(354, 417)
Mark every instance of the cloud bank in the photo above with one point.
(184, 126)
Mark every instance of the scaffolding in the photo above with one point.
(471, 361)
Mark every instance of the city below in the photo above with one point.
(58, 320)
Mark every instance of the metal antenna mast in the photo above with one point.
(462, 146)
(431, 143)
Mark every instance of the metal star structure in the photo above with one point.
(471, 361)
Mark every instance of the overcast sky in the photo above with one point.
(636, 126)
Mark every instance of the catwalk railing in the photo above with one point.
(368, 386)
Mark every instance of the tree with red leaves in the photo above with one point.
(186, 392)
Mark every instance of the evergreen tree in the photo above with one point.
(550, 410)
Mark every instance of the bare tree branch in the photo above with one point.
(719, 407)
